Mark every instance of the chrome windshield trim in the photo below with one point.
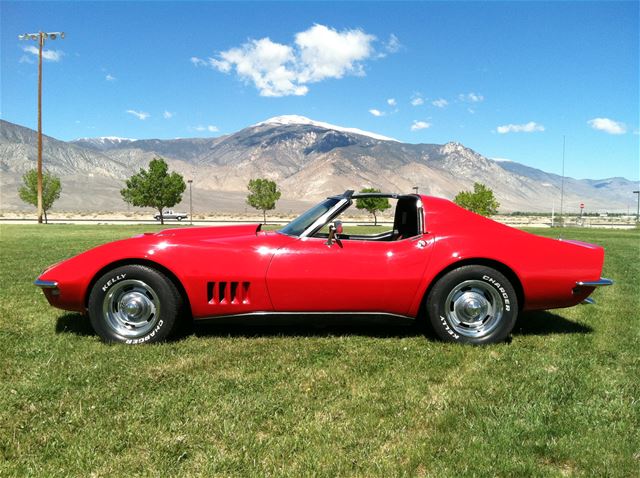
(322, 220)
(596, 283)
(45, 284)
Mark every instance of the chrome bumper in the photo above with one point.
(50, 285)
(595, 283)
(45, 284)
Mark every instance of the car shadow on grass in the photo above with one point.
(305, 326)
(529, 323)
(543, 322)
(74, 324)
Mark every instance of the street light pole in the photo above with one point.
(190, 181)
(415, 188)
(638, 210)
(40, 37)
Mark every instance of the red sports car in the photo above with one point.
(469, 275)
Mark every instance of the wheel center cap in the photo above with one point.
(133, 305)
(132, 308)
(472, 308)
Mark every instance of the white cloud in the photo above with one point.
(440, 103)
(198, 61)
(210, 128)
(418, 125)
(392, 102)
(376, 112)
(529, 127)
(25, 59)
(317, 54)
(471, 97)
(417, 100)
(392, 45)
(110, 77)
(608, 125)
(48, 55)
(270, 66)
(141, 115)
(327, 53)
(167, 114)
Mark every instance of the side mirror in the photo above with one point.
(335, 230)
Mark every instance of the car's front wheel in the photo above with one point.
(134, 304)
(473, 304)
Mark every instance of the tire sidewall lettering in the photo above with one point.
(501, 290)
(105, 287)
(450, 331)
(147, 337)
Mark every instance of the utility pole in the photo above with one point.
(562, 186)
(40, 37)
(638, 210)
(190, 181)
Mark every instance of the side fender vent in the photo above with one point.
(223, 293)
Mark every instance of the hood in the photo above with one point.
(208, 232)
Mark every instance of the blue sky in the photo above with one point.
(508, 79)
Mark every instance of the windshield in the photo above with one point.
(298, 225)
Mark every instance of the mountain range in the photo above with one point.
(308, 159)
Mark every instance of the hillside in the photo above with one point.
(308, 159)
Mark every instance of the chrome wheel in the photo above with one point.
(474, 308)
(131, 308)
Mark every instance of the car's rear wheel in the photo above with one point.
(134, 304)
(473, 304)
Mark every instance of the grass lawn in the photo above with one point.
(311, 398)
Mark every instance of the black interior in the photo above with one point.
(405, 224)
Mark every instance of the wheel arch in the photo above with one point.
(479, 261)
(143, 262)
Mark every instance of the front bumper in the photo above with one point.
(47, 285)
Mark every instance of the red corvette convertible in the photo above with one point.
(469, 275)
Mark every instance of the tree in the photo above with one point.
(372, 204)
(263, 195)
(156, 188)
(481, 200)
(51, 189)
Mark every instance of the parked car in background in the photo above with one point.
(171, 214)
(466, 274)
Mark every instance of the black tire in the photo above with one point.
(134, 304)
(473, 305)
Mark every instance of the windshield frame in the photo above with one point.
(340, 203)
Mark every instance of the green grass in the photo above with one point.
(308, 398)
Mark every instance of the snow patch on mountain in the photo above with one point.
(286, 120)
(107, 139)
